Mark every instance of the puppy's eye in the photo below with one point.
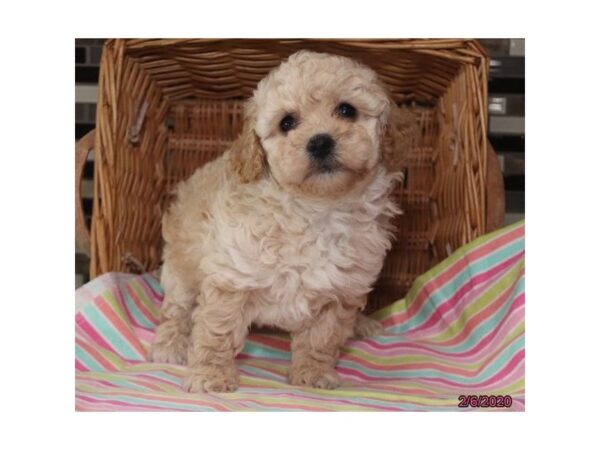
(287, 123)
(346, 110)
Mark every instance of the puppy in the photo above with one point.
(288, 228)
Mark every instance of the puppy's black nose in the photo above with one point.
(320, 146)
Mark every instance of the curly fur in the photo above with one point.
(260, 236)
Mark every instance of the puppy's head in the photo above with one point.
(319, 123)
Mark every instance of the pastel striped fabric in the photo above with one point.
(460, 331)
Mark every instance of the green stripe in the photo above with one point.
(103, 327)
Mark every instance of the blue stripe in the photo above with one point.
(108, 332)
(262, 351)
(87, 360)
(483, 328)
(134, 310)
(446, 291)
(501, 360)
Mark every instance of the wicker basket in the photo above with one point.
(167, 106)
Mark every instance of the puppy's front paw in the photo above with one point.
(365, 327)
(175, 353)
(315, 375)
(212, 379)
(170, 345)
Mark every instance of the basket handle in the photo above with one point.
(495, 196)
(82, 150)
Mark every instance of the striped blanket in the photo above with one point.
(460, 331)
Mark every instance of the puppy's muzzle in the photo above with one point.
(320, 147)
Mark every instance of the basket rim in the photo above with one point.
(467, 50)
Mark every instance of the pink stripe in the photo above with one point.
(393, 387)
(498, 377)
(144, 335)
(190, 399)
(453, 316)
(141, 307)
(96, 356)
(450, 304)
(288, 405)
(80, 367)
(456, 370)
(120, 297)
(510, 378)
(156, 381)
(91, 332)
(501, 375)
(395, 319)
(474, 321)
(515, 314)
(451, 271)
(102, 384)
(122, 328)
(153, 296)
(282, 372)
(306, 396)
(116, 405)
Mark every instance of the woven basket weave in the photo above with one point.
(167, 106)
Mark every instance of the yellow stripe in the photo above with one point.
(484, 300)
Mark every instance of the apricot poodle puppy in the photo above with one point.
(288, 228)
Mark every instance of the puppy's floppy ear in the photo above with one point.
(400, 133)
(247, 155)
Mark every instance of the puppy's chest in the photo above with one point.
(297, 258)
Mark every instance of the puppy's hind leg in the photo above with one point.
(316, 348)
(172, 338)
(365, 327)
